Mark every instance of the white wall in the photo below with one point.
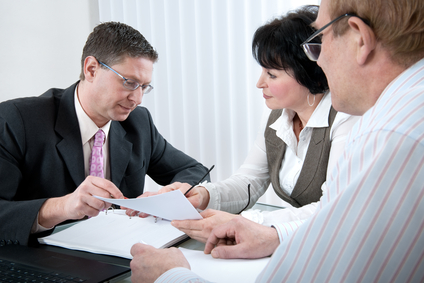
(41, 44)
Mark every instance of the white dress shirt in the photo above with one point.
(231, 194)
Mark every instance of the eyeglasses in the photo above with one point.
(128, 83)
(313, 49)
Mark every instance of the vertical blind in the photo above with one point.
(205, 101)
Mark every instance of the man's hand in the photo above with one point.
(201, 229)
(149, 263)
(80, 203)
(242, 238)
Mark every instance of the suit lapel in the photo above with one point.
(67, 127)
(119, 151)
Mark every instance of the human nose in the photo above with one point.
(261, 82)
(136, 96)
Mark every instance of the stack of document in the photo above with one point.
(115, 233)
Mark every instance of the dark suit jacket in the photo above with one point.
(41, 157)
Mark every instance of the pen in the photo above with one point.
(200, 179)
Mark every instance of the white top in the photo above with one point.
(231, 194)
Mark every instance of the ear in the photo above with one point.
(91, 65)
(365, 39)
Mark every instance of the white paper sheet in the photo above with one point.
(224, 270)
(172, 206)
(115, 233)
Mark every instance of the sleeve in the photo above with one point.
(16, 217)
(180, 275)
(371, 226)
(231, 194)
(287, 228)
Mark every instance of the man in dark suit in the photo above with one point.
(46, 141)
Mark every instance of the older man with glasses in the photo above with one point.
(61, 148)
(370, 224)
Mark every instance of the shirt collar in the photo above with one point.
(87, 127)
(319, 118)
(398, 82)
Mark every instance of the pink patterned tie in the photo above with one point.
(96, 166)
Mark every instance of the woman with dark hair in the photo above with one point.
(298, 145)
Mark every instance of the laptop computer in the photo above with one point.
(17, 263)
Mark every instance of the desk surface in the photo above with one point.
(188, 244)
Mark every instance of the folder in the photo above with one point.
(113, 232)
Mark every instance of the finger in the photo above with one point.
(188, 224)
(148, 194)
(200, 236)
(85, 209)
(91, 205)
(220, 232)
(228, 251)
(138, 249)
(171, 187)
(106, 185)
(143, 215)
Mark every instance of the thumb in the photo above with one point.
(138, 248)
(225, 252)
(208, 213)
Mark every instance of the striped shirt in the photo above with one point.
(370, 223)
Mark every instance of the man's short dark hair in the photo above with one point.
(112, 42)
(276, 45)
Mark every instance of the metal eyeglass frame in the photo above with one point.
(313, 49)
(128, 82)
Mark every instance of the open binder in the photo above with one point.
(114, 233)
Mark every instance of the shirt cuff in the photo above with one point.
(254, 215)
(285, 229)
(214, 196)
(37, 228)
(180, 275)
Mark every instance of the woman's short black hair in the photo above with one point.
(276, 45)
